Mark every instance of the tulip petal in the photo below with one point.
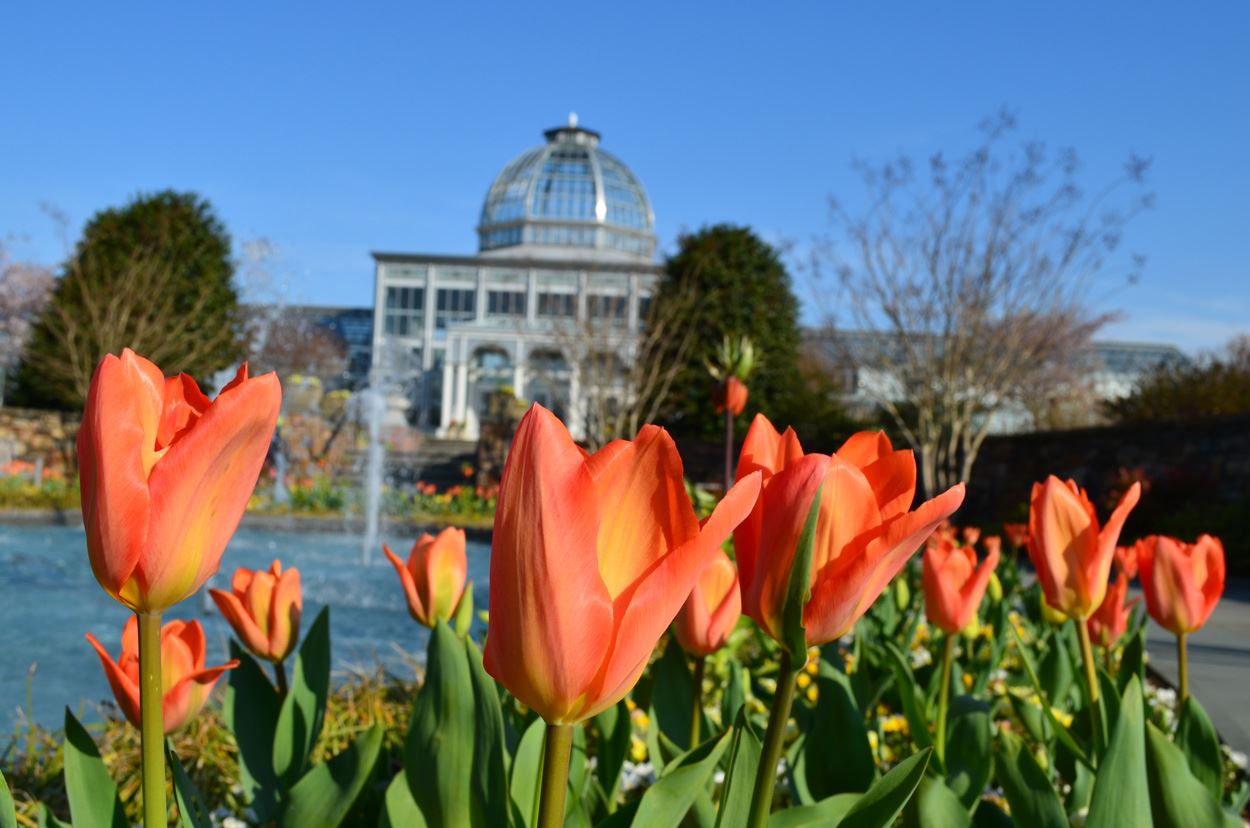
(186, 698)
(125, 690)
(415, 607)
(764, 449)
(1099, 569)
(848, 515)
(653, 601)
(240, 620)
(551, 623)
(285, 611)
(116, 451)
(200, 489)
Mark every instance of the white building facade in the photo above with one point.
(566, 258)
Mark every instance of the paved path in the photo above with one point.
(1219, 663)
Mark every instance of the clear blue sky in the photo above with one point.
(336, 129)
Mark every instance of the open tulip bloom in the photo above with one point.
(827, 535)
(165, 476)
(434, 576)
(186, 682)
(1072, 556)
(264, 608)
(1182, 583)
(592, 557)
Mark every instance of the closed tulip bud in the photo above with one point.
(1071, 554)
(434, 576)
(166, 475)
(592, 558)
(1110, 621)
(864, 532)
(1182, 582)
(1126, 559)
(185, 680)
(954, 585)
(902, 593)
(263, 608)
(995, 589)
(731, 394)
(713, 608)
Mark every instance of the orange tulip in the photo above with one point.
(592, 557)
(166, 475)
(713, 608)
(1071, 554)
(185, 682)
(971, 534)
(864, 531)
(731, 394)
(1110, 621)
(1182, 582)
(1017, 534)
(264, 609)
(434, 577)
(1126, 559)
(954, 585)
(993, 544)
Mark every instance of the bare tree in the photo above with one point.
(968, 281)
(289, 341)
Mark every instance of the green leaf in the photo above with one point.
(251, 711)
(1177, 798)
(1196, 736)
(836, 756)
(1025, 785)
(935, 806)
(527, 764)
(1133, 660)
(303, 710)
(1055, 671)
(47, 819)
(463, 617)
(911, 695)
(8, 813)
(668, 800)
(192, 812)
(93, 801)
(438, 752)
(323, 797)
(744, 762)
(733, 695)
(672, 697)
(823, 814)
(399, 809)
(969, 751)
(1056, 727)
(490, 773)
(799, 587)
(615, 730)
(881, 805)
(1121, 795)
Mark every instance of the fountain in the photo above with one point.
(374, 400)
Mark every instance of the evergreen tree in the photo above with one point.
(154, 275)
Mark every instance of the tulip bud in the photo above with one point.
(902, 593)
(954, 585)
(264, 610)
(713, 608)
(434, 576)
(995, 588)
(1182, 582)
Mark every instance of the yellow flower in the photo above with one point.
(643, 720)
(894, 724)
(637, 749)
(804, 681)
(967, 681)
(813, 665)
(812, 695)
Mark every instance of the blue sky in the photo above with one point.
(336, 129)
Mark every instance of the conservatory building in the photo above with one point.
(563, 276)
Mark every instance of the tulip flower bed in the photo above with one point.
(633, 673)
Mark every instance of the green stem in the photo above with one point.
(766, 775)
(557, 747)
(1182, 664)
(944, 699)
(696, 713)
(279, 671)
(1091, 681)
(152, 730)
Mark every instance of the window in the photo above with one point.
(644, 310)
(455, 305)
(610, 308)
(556, 305)
(405, 314)
(505, 303)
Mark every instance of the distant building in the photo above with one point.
(566, 244)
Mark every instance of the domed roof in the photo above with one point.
(568, 197)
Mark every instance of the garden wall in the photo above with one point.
(31, 438)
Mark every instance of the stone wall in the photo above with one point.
(31, 439)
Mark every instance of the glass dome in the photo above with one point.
(568, 195)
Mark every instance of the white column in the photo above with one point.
(444, 413)
(575, 403)
(518, 368)
(462, 392)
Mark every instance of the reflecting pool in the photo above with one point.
(49, 600)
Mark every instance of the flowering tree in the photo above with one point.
(24, 291)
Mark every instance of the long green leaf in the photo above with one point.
(490, 773)
(935, 806)
(744, 761)
(733, 694)
(303, 710)
(251, 711)
(911, 695)
(438, 753)
(1196, 736)
(799, 586)
(1177, 798)
(1121, 793)
(192, 812)
(1057, 728)
(823, 814)
(93, 801)
(1028, 791)
(325, 795)
(400, 810)
(8, 813)
(672, 696)
(615, 731)
(836, 756)
(47, 819)
(969, 752)
(527, 763)
(883, 802)
(668, 800)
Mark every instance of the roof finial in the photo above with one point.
(573, 120)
